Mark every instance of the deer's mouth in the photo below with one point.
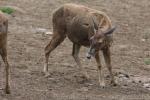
(91, 53)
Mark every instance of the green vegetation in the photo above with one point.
(7, 10)
(146, 34)
(147, 61)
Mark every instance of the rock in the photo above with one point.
(146, 85)
(143, 40)
(43, 31)
(120, 75)
(40, 30)
(84, 89)
(49, 33)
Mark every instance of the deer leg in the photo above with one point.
(106, 53)
(7, 70)
(100, 74)
(75, 54)
(55, 41)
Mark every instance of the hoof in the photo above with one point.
(7, 91)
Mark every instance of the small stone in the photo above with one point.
(49, 33)
(143, 40)
(146, 85)
(120, 75)
(84, 89)
(41, 30)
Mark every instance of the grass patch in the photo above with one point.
(7, 10)
(146, 34)
(147, 61)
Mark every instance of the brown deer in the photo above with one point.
(3, 47)
(84, 27)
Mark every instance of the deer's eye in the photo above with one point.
(86, 24)
(4, 23)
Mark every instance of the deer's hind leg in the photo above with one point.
(58, 37)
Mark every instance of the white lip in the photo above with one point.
(88, 56)
(91, 53)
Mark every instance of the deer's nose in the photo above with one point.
(90, 53)
(88, 56)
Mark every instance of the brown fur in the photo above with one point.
(79, 24)
(3, 47)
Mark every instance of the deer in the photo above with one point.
(86, 27)
(3, 48)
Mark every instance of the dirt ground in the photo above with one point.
(26, 53)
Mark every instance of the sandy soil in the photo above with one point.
(26, 53)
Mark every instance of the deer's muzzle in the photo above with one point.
(91, 53)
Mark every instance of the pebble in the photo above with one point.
(49, 33)
(43, 31)
(84, 89)
(143, 40)
(146, 85)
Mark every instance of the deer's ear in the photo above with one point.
(109, 31)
